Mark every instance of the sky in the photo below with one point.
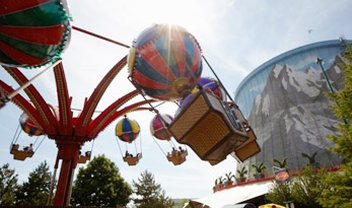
(235, 37)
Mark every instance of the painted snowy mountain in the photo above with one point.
(292, 115)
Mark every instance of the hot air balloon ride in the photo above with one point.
(32, 130)
(127, 131)
(33, 32)
(159, 130)
(165, 62)
(213, 127)
(211, 84)
(205, 83)
(83, 158)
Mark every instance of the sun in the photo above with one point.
(194, 15)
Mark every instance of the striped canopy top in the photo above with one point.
(165, 61)
(33, 32)
(127, 130)
(158, 126)
(29, 127)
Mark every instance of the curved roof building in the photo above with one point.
(285, 102)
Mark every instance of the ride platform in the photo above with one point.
(20, 154)
(177, 158)
(132, 160)
(84, 158)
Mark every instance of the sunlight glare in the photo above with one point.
(192, 15)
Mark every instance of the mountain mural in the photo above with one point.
(292, 115)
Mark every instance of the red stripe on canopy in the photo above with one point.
(149, 83)
(195, 61)
(151, 55)
(12, 6)
(179, 51)
(19, 56)
(50, 35)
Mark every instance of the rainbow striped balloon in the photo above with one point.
(29, 127)
(165, 62)
(127, 130)
(158, 126)
(33, 32)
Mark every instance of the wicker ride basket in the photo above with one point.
(212, 129)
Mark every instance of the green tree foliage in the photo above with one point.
(337, 189)
(280, 193)
(306, 188)
(149, 193)
(36, 191)
(100, 184)
(8, 185)
(303, 190)
(314, 186)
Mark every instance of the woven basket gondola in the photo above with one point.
(206, 127)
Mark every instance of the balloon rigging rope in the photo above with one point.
(135, 146)
(15, 136)
(221, 84)
(91, 149)
(39, 143)
(159, 146)
(118, 144)
(140, 142)
(172, 143)
(36, 140)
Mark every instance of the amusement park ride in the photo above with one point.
(165, 64)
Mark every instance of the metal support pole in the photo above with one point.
(4, 99)
(320, 62)
(99, 36)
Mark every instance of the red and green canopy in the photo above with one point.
(32, 32)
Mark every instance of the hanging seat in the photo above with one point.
(20, 154)
(250, 147)
(178, 157)
(132, 160)
(84, 158)
(209, 127)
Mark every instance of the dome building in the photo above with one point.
(285, 102)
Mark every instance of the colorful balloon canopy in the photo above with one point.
(213, 85)
(158, 126)
(127, 130)
(165, 61)
(29, 127)
(184, 103)
(33, 32)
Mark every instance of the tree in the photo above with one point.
(37, 190)
(8, 185)
(280, 193)
(303, 191)
(100, 184)
(337, 187)
(306, 187)
(149, 193)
